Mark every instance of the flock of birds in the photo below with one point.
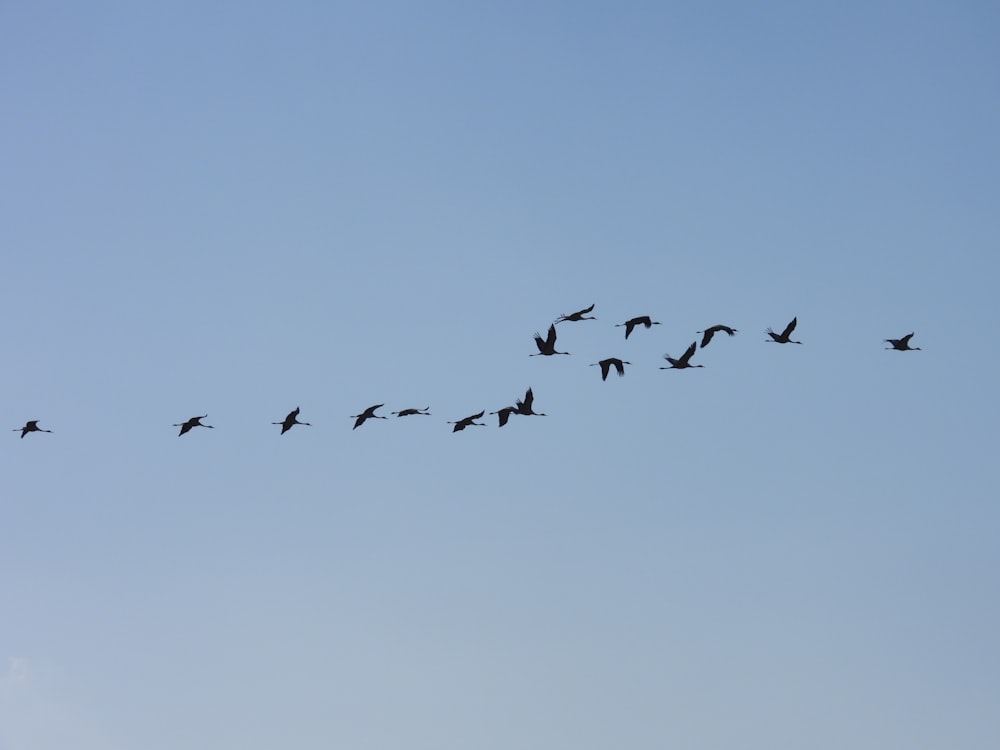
(546, 347)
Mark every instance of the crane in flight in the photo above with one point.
(461, 424)
(642, 320)
(426, 411)
(31, 426)
(684, 361)
(546, 346)
(782, 338)
(902, 345)
(578, 315)
(291, 419)
(368, 413)
(193, 422)
(709, 332)
(607, 364)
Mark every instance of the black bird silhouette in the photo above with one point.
(291, 419)
(782, 338)
(467, 421)
(709, 332)
(504, 414)
(31, 426)
(684, 361)
(578, 315)
(642, 320)
(902, 345)
(606, 364)
(368, 413)
(426, 411)
(193, 422)
(523, 406)
(547, 346)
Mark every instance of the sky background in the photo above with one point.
(237, 209)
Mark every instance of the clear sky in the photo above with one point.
(236, 209)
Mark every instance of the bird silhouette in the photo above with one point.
(684, 361)
(782, 338)
(368, 413)
(504, 414)
(546, 346)
(902, 345)
(578, 315)
(193, 422)
(461, 424)
(606, 365)
(31, 426)
(642, 320)
(426, 411)
(523, 406)
(291, 419)
(709, 332)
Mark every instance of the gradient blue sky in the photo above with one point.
(236, 210)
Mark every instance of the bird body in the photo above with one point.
(606, 365)
(31, 426)
(684, 361)
(547, 346)
(902, 345)
(578, 315)
(191, 423)
(409, 412)
(642, 320)
(291, 419)
(461, 424)
(709, 332)
(782, 338)
(368, 413)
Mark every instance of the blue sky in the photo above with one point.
(235, 211)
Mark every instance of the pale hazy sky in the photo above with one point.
(232, 210)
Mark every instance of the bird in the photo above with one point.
(31, 426)
(684, 361)
(291, 419)
(547, 346)
(642, 320)
(408, 412)
(523, 407)
(782, 338)
(606, 365)
(193, 422)
(504, 414)
(902, 345)
(461, 424)
(368, 413)
(578, 315)
(709, 332)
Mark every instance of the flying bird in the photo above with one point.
(193, 422)
(642, 320)
(523, 407)
(467, 421)
(902, 345)
(684, 361)
(547, 346)
(368, 413)
(606, 365)
(426, 411)
(291, 419)
(578, 315)
(504, 414)
(709, 332)
(782, 338)
(31, 426)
